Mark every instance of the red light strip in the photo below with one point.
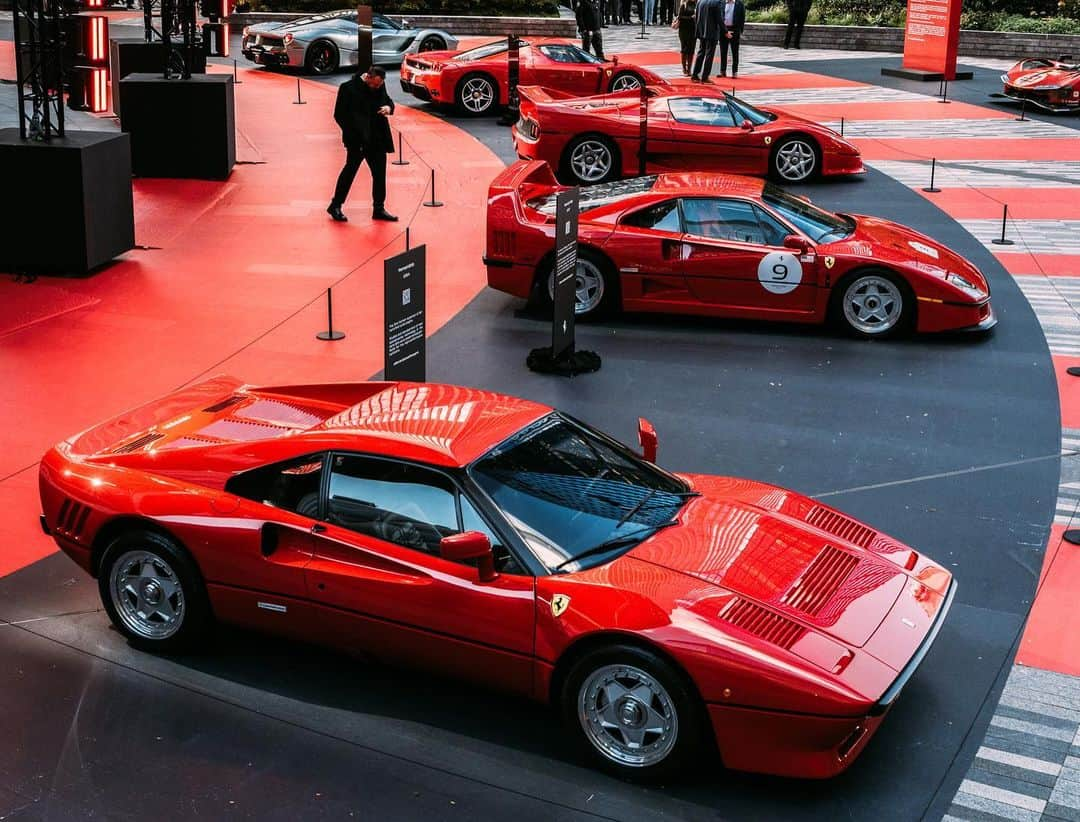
(225, 39)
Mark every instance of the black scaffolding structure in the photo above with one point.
(39, 67)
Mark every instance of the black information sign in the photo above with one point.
(364, 58)
(404, 312)
(565, 296)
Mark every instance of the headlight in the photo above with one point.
(966, 286)
(246, 31)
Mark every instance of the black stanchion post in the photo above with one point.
(1023, 111)
(1004, 218)
(330, 334)
(299, 101)
(643, 131)
(842, 131)
(400, 161)
(407, 246)
(939, 85)
(235, 77)
(513, 76)
(643, 35)
(933, 167)
(433, 203)
(945, 93)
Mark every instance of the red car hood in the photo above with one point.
(767, 554)
(875, 238)
(1046, 77)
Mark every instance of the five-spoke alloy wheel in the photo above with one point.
(795, 160)
(595, 286)
(590, 159)
(322, 58)
(873, 304)
(626, 80)
(477, 94)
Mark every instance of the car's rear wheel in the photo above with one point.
(322, 58)
(596, 287)
(476, 94)
(873, 303)
(591, 158)
(153, 592)
(626, 80)
(432, 43)
(795, 159)
(633, 713)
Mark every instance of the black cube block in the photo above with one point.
(180, 128)
(130, 56)
(69, 208)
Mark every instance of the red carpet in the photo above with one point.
(34, 302)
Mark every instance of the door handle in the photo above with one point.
(318, 528)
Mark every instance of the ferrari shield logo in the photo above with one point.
(609, 72)
(830, 262)
(768, 140)
(559, 603)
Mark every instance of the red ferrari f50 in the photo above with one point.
(498, 540)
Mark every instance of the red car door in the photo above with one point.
(377, 569)
(566, 68)
(735, 259)
(647, 247)
(702, 135)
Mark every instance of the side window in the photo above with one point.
(392, 501)
(716, 218)
(660, 217)
(505, 563)
(292, 485)
(702, 111)
(774, 231)
(380, 22)
(564, 54)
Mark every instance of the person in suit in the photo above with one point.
(797, 11)
(624, 11)
(684, 22)
(734, 17)
(362, 110)
(708, 28)
(588, 22)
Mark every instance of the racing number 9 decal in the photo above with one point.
(779, 273)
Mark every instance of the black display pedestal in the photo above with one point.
(180, 128)
(925, 76)
(69, 206)
(128, 56)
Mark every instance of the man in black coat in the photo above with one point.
(733, 16)
(362, 110)
(589, 21)
(797, 11)
(709, 28)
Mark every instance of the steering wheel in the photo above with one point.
(401, 531)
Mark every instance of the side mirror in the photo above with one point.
(405, 24)
(796, 243)
(746, 125)
(646, 435)
(615, 60)
(470, 545)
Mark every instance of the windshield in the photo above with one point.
(480, 52)
(568, 490)
(744, 111)
(817, 224)
(381, 22)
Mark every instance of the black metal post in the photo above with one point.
(235, 77)
(299, 101)
(643, 131)
(842, 131)
(643, 35)
(1004, 218)
(513, 76)
(407, 244)
(433, 203)
(330, 334)
(933, 167)
(400, 161)
(1023, 111)
(945, 93)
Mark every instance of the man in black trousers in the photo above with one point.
(589, 20)
(709, 28)
(797, 11)
(734, 18)
(362, 110)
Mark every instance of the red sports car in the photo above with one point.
(596, 139)
(729, 246)
(498, 540)
(476, 80)
(1050, 84)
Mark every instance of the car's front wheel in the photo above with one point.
(322, 58)
(153, 592)
(873, 303)
(633, 713)
(625, 81)
(795, 159)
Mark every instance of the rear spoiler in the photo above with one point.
(543, 94)
(526, 178)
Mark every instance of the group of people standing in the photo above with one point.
(702, 25)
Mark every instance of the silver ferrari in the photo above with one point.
(322, 43)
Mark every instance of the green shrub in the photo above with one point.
(525, 8)
(985, 15)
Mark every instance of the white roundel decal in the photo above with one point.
(779, 272)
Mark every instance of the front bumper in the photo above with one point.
(265, 57)
(835, 163)
(936, 315)
(1042, 100)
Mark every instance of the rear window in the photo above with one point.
(480, 52)
(602, 194)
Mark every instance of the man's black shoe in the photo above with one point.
(383, 214)
(336, 213)
(695, 78)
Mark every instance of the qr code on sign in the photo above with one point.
(406, 296)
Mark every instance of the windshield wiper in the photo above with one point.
(614, 542)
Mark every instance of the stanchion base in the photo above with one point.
(932, 190)
(1003, 242)
(433, 204)
(399, 162)
(330, 336)
(1072, 536)
(567, 365)
(299, 102)
(945, 101)
(1073, 371)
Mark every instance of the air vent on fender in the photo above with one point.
(838, 525)
(821, 580)
(763, 623)
(228, 402)
(72, 517)
(136, 444)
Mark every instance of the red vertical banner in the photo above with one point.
(931, 35)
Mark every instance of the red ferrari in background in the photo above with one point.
(597, 139)
(729, 246)
(476, 80)
(1050, 84)
(496, 539)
